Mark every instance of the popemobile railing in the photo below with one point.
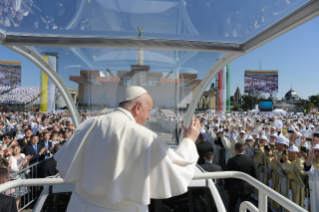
(24, 194)
(263, 190)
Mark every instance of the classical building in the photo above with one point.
(208, 99)
(59, 100)
(288, 102)
(167, 90)
(291, 97)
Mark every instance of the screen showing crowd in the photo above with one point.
(10, 74)
(261, 81)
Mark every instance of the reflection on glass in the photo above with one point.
(100, 77)
(206, 20)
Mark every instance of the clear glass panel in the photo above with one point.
(99, 77)
(229, 21)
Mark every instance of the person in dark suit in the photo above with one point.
(7, 203)
(48, 167)
(208, 166)
(46, 142)
(36, 149)
(237, 188)
(202, 148)
(176, 134)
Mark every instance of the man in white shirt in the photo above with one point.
(118, 165)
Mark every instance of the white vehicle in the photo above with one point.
(198, 198)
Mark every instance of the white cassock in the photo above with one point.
(313, 174)
(118, 165)
(216, 149)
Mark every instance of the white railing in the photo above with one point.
(263, 190)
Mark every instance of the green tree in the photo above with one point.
(302, 104)
(236, 107)
(315, 100)
(247, 102)
(310, 107)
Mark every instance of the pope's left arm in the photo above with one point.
(171, 170)
(187, 149)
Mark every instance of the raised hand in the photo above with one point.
(28, 158)
(303, 140)
(266, 152)
(193, 131)
(44, 149)
(274, 157)
(284, 157)
(311, 155)
(301, 154)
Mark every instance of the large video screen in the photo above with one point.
(265, 105)
(261, 82)
(10, 73)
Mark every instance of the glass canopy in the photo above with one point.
(100, 76)
(227, 21)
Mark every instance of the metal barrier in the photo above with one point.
(25, 194)
(244, 206)
(264, 190)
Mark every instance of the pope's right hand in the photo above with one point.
(193, 131)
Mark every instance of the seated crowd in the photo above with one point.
(20, 96)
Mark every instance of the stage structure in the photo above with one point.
(168, 90)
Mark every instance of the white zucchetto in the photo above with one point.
(132, 92)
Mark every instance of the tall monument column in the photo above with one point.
(140, 54)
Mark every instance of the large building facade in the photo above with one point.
(169, 91)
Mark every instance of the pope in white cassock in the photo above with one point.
(117, 164)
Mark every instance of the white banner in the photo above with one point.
(51, 87)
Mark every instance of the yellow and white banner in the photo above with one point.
(47, 95)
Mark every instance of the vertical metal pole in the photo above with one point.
(262, 202)
(32, 188)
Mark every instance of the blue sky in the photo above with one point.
(295, 54)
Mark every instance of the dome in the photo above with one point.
(291, 95)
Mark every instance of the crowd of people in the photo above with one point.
(284, 149)
(20, 96)
(4, 89)
(28, 141)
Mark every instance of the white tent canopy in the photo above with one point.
(279, 112)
